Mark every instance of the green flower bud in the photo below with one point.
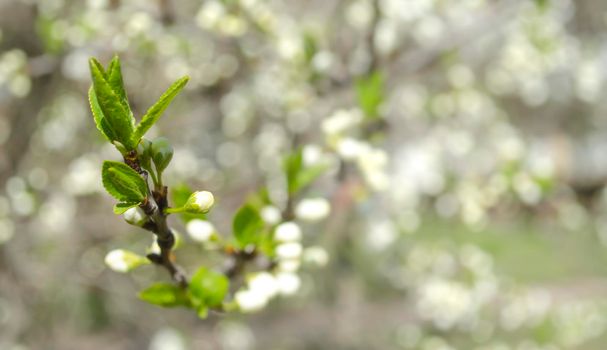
(199, 202)
(144, 151)
(162, 153)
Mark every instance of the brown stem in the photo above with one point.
(154, 209)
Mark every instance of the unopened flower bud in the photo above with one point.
(144, 152)
(270, 214)
(288, 283)
(135, 216)
(123, 261)
(291, 250)
(200, 230)
(250, 300)
(200, 202)
(312, 209)
(162, 153)
(287, 232)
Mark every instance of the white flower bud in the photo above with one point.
(288, 283)
(316, 256)
(250, 301)
(200, 202)
(154, 248)
(121, 260)
(291, 265)
(312, 155)
(350, 149)
(270, 214)
(289, 250)
(200, 230)
(265, 284)
(287, 232)
(340, 121)
(135, 216)
(313, 209)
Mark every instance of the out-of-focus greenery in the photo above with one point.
(463, 144)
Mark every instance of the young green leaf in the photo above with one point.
(308, 175)
(123, 183)
(165, 295)
(121, 207)
(208, 288)
(370, 93)
(247, 225)
(100, 121)
(114, 111)
(114, 77)
(152, 115)
(292, 166)
(299, 176)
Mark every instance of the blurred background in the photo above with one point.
(478, 222)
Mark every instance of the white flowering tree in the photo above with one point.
(442, 161)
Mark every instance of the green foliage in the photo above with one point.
(123, 183)
(122, 207)
(102, 124)
(247, 225)
(152, 115)
(207, 289)
(299, 176)
(112, 107)
(45, 28)
(542, 5)
(370, 93)
(165, 295)
(162, 153)
(114, 77)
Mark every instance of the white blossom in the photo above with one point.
(287, 232)
(121, 260)
(200, 230)
(270, 214)
(316, 256)
(340, 121)
(200, 201)
(288, 283)
(290, 250)
(312, 209)
(290, 265)
(249, 300)
(134, 216)
(265, 284)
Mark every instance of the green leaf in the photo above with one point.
(165, 295)
(100, 121)
(298, 176)
(247, 225)
(114, 77)
(123, 183)
(152, 115)
(292, 166)
(122, 207)
(370, 93)
(114, 111)
(208, 288)
(308, 175)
